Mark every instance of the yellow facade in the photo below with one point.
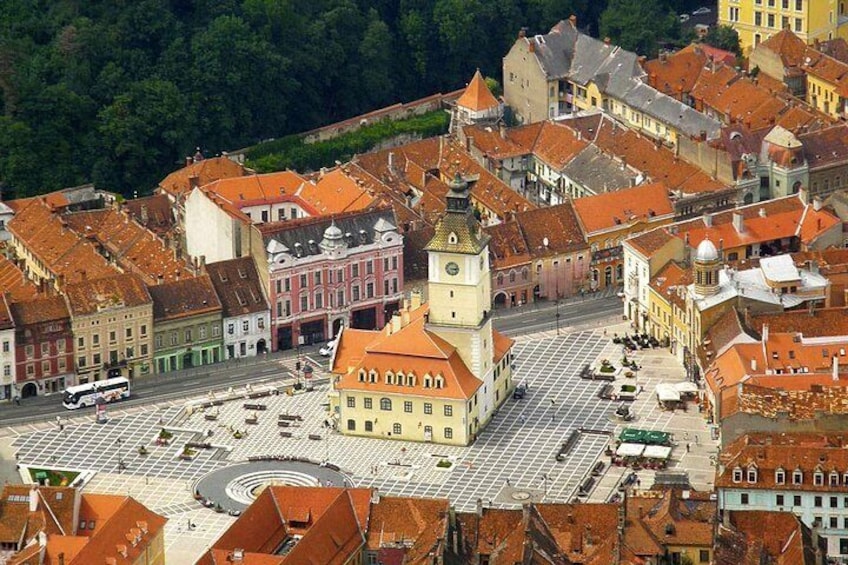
(757, 20)
(121, 338)
(822, 95)
(660, 315)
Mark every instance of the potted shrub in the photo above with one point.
(188, 453)
(142, 450)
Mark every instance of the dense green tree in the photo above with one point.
(724, 37)
(639, 25)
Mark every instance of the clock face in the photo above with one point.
(452, 268)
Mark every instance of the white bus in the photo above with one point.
(81, 396)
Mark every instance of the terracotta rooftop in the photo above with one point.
(669, 517)
(134, 248)
(557, 144)
(829, 70)
(412, 349)
(629, 206)
(675, 74)
(185, 298)
(14, 282)
(117, 291)
(820, 322)
(53, 514)
(152, 212)
(340, 190)
(62, 252)
(477, 97)
(757, 537)
(206, 171)
(806, 452)
(791, 49)
(416, 524)
(239, 286)
(39, 310)
(507, 246)
(558, 225)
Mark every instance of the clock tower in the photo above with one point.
(459, 283)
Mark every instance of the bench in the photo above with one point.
(290, 417)
(284, 424)
(253, 420)
(316, 437)
(598, 468)
(257, 407)
(286, 434)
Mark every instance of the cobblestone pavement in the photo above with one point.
(511, 462)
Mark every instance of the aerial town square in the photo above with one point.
(433, 283)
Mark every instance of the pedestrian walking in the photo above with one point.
(507, 482)
(687, 448)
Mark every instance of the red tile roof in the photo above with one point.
(507, 246)
(90, 296)
(178, 183)
(419, 525)
(14, 282)
(613, 210)
(676, 74)
(552, 230)
(183, 299)
(477, 97)
(39, 310)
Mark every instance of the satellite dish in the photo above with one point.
(545, 242)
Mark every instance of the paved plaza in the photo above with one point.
(513, 461)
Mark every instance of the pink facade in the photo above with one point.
(327, 274)
(562, 275)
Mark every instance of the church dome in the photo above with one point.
(706, 251)
(333, 237)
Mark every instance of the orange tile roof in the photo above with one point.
(339, 190)
(412, 349)
(587, 533)
(650, 242)
(558, 144)
(806, 452)
(691, 518)
(13, 281)
(39, 310)
(759, 536)
(497, 531)
(419, 524)
(507, 246)
(61, 251)
(89, 296)
(491, 143)
(829, 70)
(134, 248)
(676, 74)
(557, 225)
(791, 48)
(178, 184)
(254, 189)
(53, 513)
(626, 206)
(477, 96)
(818, 323)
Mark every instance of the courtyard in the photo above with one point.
(513, 461)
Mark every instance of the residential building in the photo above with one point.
(757, 20)
(476, 106)
(43, 524)
(43, 347)
(154, 213)
(805, 474)
(186, 324)
(112, 322)
(246, 314)
(781, 57)
(349, 526)
(608, 219)
(327, 273)
(667, 305)
(563, 71)
(512, 279)
(766, 537)
(768, 228)
(827, 86)
(439, 364)
(7, 350)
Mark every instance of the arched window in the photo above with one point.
(386, 404)
(512, 276)
(500, 279)
(619, 272)
(524, 273)
(452, 239)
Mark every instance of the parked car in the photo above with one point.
(520, 391)
(701, 11)
(328, 348)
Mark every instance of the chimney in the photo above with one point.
(237, 555)
(404, 318)
(391, 161)
(738, 222)
(817, 203)
(663, 57)
(480, 507)
(396, 322)
(33, 499)
(143, 214)
(188, 161)
(193, 182)
(61, 558)
(708, 220)
(573, 19)
(415, 299)
(762, 212)
(202, 263)
(160, 278)
(469, 142)
(502, 130)
(522, 33)
(753, 366)
(375, 495)
(531, 46)
(835, 368)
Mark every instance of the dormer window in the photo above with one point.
(440, 381)
(797, 477)
(780, 477)
(752, 474)
(401, 379)
(452, 239)
(737, 475)
(362, 375)
(833, 480)
(372, 376)
(390, 378)
(428, 381)
(410, 379)
(818, 478)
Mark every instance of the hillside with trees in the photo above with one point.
(115, 92)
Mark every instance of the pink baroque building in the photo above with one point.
(331, 272)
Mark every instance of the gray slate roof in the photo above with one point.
(597, 171)
(555, 49)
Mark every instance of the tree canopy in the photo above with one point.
(117, 92)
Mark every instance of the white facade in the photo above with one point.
(243, 333)
(637, 280)
(264, 212)
(7, 363)
(210, 231)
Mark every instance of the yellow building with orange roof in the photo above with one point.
(436, 372)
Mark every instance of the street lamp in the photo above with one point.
(545, 486)
(557, 314)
